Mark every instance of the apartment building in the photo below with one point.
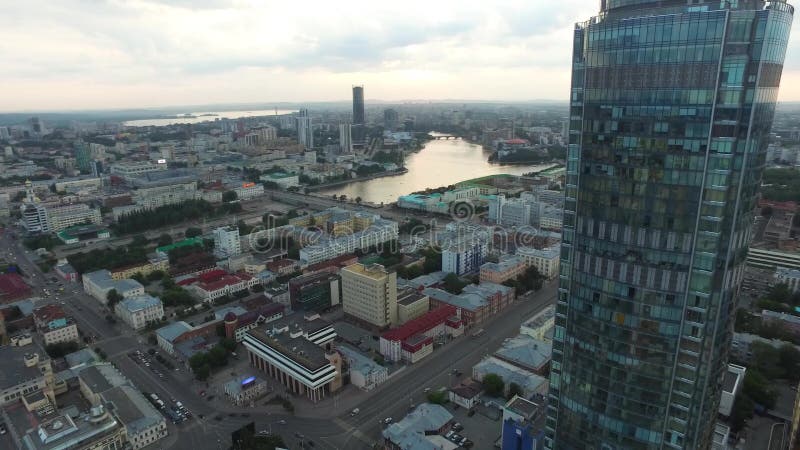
(369, 294)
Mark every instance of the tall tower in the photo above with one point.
(345, 138)
(305, 130)
(671, 103)
(358, 105)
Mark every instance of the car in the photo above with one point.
(449, 434)
(387, 420)
(426, 390)
(3, 428)
(282, 422)
(468, 444)
(202, 393)
(457, 426)
(298, 435)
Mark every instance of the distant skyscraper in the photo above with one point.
(305, 130)
(37, 126)
(390, 119)
(345, 138)
(358, 105)
(83, 156)
(671, 105)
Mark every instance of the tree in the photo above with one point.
(112, 298)
(229, 196)
(164, 240)
(138, 276)
(789, 361)
(453, 284)
(228, 344)
(742, 411)
(155, 275)
(358, 200)
(202, 372)
(758, 388)
(437, 397)
(218, 356)
(515, 389)
(493, 384)
(766, 360)
(779, 293)
(60, 349)
(193, 232)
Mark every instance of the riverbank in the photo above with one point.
(334, 184)
(524, 163)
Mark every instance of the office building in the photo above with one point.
(345, 138)
(40, 219)
(131, 170)
(297, 351)
(24, 370)
(369, 294)
(305, 130)
(226, 242)
(465, 256)
(314, 292)
(99, 283)
(359, 118)
(671, 108)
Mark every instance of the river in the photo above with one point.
(205, 116)
(439, 163)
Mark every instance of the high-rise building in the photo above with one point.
(390, 119)
(305, 130)
(226, 242)
(369, 294)
(671, 104)
(345, 138)
(83, 156)
(359, 117)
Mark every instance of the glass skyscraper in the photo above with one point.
(670, 109)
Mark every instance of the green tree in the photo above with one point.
(155, 275)
(515, 389)
(759, 389)
(766, 359)
(437, 397)
(112, 298)
(229, 196)
(218, 356)
(164, 239)
(358, 200)
(228, 344)
(453, 284)
(789, 361)
(60, 349)
(779, 293)
(493, 385)
(193, 232)
(742, 411)
(202, 372)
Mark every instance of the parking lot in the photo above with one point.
(479, 429)
(174, 410)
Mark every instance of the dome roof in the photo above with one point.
(230, 317)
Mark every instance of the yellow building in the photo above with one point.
(369, 294)
(145, 269)
(410, 305)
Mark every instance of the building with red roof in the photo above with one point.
(414, 339)
(218, 283)
(13, 288)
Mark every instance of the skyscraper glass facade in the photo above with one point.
(671, 104)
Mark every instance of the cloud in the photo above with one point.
(123, 53)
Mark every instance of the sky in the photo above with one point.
(114, 54)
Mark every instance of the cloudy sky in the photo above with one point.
(79, 54)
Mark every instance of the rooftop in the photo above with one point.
(358, 360)
(132, 409)
(425, 417)
(526, 352)
(468, 301)
(420, 324)
(510, 373)
(139, 303)
(409, 296)
(171, 332)
(373, 271)
(523, 407)
(12, 364)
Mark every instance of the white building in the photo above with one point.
(139, 311)
(731, 385)
(54, 325)
(379, 232)
(545, 260)
(248, 191)
(98, 284)
(167, 194)
(38, 218)
(790, 277)
(130, 170)
(365, 373)
(345, 138)
(465, 256)
(226, 242)
(305, 130)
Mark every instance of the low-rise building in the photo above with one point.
(139, 311)
(283, 180)
(13, 288)
(155, 263)
(527, 353)
(411, 304)
(143, 424)
(54, 325)
(466, 394)
(416, 428)
(540, 325)
(476, 303)
(507, 268)
(245, 389)
(789, 321)
(99, 283)
(414, 339)
(762, 258)
(169, 335)
(24, 370)
(298, 352)
(523, 424)
(237, 324)
(545, 260)
(364, 372)
(216, 284)
(95, 429)
(66, 272)
(530, 383)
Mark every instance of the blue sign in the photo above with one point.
(248, 380)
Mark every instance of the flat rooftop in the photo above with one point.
(12, 364)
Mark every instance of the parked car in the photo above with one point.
(387, 420)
